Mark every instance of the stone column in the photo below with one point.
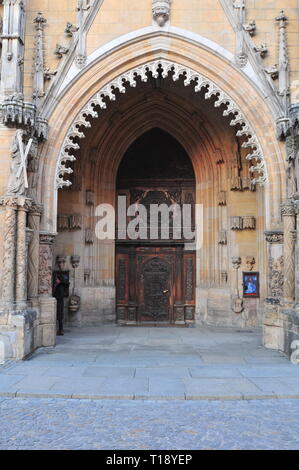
(275, 266)
(179, 310)
(296, 241)
(289, 225)
(47, 327)
(21, 257)
(273, 323)
(33, 254)
(9, 259)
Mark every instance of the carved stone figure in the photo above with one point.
(18, 183)
(60, 50)
(238, 305)
(292, 147)
(236, 261)
(161, 11)
(250, 27)
(250, 262)
(75, 260)
(74, 303)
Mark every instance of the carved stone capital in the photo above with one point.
(17, 202)
(288, 208)
(46, 238)
(274, 236)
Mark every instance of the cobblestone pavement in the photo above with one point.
(153, 363)
(152, 425)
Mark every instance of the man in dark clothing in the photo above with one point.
(61, 282)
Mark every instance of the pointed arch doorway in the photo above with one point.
(155, 273)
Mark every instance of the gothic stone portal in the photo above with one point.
(155, 279)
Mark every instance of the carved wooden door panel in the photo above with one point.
(155, 286)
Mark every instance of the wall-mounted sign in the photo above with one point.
(251, 284)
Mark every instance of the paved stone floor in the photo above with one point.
(31, 423)
(151, 388)
(153, 363)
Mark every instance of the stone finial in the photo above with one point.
(39, 21)
(161, 11)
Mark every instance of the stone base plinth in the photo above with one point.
(47, 324)
(273, 328)
(18, 334)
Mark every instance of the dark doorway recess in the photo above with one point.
(155, 278)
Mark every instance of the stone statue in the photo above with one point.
(16, 185)
(292, 145)
(18, 181)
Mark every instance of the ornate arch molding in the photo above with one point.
(173, 71)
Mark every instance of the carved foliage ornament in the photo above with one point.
(274, 237)
(174, 71)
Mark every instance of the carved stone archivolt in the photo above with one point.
(163, 69)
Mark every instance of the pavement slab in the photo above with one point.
(154, 363)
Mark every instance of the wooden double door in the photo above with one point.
(155, 284)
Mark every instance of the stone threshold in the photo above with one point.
(149, 397)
